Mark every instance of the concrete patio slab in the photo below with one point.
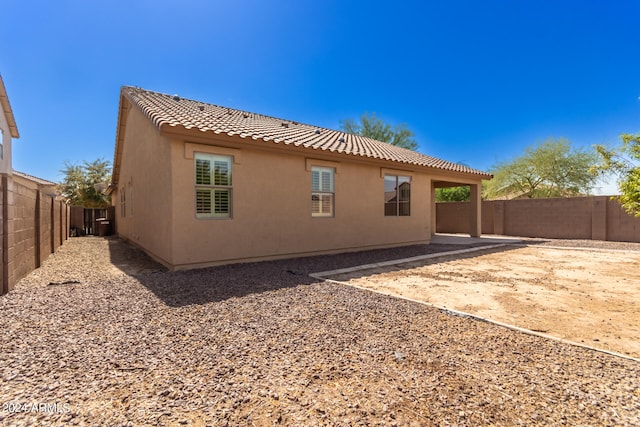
(464, 239)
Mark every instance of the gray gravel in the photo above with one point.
(585, 244)
(264, 344)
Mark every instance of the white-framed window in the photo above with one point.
(397, 195)
(213, 186)
(322, 191)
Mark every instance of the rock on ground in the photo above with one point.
(264, 344)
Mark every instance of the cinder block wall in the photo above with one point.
(620, 226)
(453, 217)
(595, 217)
(46, 225)
(57, 226)
(550, 218)
(4, 256)
(22, 235)
(33, 226)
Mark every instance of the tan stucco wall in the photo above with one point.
(145, 176)
(272, 209)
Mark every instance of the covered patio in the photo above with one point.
(475, 216)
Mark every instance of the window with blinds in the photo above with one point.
(397, 195)
(322, 191)
(213, 186)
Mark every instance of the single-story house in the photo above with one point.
(196, 184)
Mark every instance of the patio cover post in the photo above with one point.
(475, 217)
(433, 208)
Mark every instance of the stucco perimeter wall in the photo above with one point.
(596, 217)
(620, 226)
(33, 226)
(144, 187)
(272, 208)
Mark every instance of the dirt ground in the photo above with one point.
(586, 296)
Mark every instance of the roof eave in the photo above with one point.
(124, 105)
(6, 107)
(210, 136)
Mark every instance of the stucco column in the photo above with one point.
(433, 208)
(475, 211)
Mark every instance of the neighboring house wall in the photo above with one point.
(5, 149)
(8, 130)
(35, 224)
(597, 218)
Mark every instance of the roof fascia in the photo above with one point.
(8, 113)
(123, 107)
(198, 136)
(462, 178)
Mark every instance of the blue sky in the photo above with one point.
(477, 81)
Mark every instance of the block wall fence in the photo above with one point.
(591, 218)
(34, 224)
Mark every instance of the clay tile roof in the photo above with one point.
(35, 179)
(173, 111)
(6, 107)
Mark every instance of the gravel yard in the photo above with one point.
(101, 335)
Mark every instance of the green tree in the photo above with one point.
(81, 185)
(552, 169)
(374, 128)
(453, 194)
(623, 161)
